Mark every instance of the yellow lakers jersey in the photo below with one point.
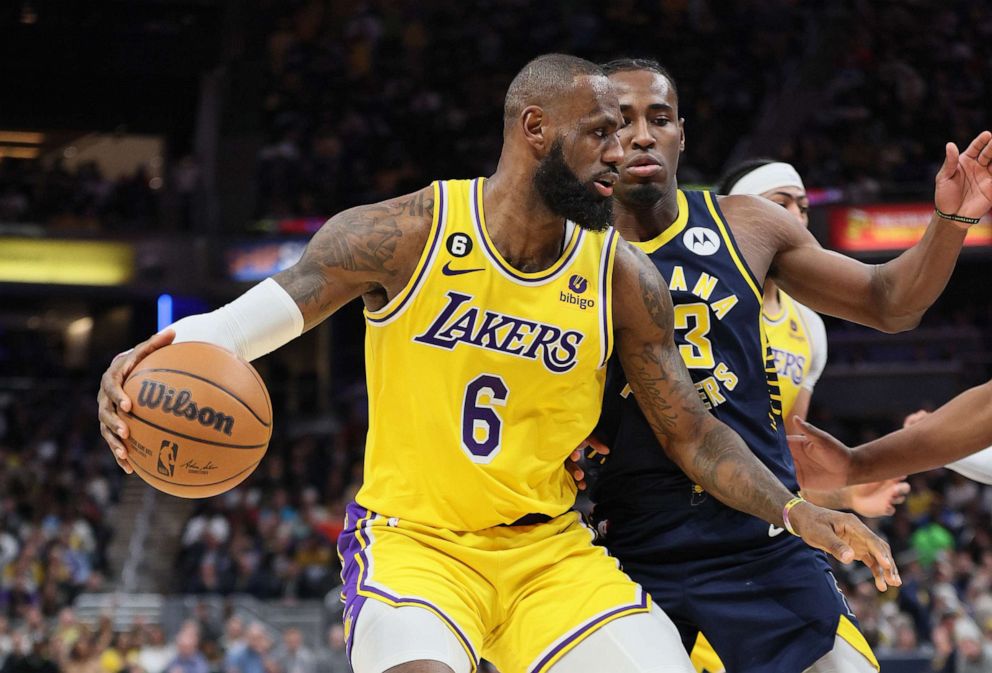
(482, 378)
(791, 343)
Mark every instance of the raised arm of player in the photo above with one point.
(958, 429)
(368, 251)
(709, 452)
(891, 297)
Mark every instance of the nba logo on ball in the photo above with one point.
(167, 458)
(577, 284)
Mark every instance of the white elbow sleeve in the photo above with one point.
(258, 322)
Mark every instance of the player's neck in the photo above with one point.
(525, 231)
(642, 223)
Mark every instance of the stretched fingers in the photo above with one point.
(974, 149)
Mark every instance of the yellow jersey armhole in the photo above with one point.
(849, 632)
(738, 261)
(606, 294)
(397, 304)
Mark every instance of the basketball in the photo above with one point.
(200, 419)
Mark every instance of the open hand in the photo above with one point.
(879, 498)
(822, 461)
(964, 181)
(844, 537)
(112, 401)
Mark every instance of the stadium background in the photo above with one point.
(157, 156)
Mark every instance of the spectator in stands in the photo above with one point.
(82, 657)
(188, 657)
(294, 656)
(156, 653)
(334, 659)
(234, 635)
(254, 657)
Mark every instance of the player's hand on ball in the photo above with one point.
(844, 537)
(822, 461)
(112, 398)
(964, 181)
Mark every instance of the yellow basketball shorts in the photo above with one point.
(520, 596)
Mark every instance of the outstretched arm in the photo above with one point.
(958, 429)
(708, 451)
(368, 251)
(893, 296)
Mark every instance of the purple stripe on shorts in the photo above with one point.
(587, 627)
(350, 547)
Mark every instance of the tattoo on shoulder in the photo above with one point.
(361, 240)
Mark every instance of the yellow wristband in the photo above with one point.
(785, 513)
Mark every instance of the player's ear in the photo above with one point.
(681, 134)
(532, 121)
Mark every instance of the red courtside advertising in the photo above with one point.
(890, 227)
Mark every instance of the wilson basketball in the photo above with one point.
(200, 419)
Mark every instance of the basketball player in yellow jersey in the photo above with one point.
(492, 307)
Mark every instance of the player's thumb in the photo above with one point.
(950, 165)
(841, 551)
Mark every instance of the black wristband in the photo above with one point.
(957, 218)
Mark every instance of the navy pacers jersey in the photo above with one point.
(639, 491)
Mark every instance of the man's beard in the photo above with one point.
(565, 195)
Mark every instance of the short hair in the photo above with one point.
(738, 171)
(543, 80)
(627, 64)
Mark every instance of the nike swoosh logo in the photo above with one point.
(774, 530)
(448, 271)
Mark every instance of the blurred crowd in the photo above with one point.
(907, 77)
(365, 100)
(82, 198)
(201, 645)
(56, 485)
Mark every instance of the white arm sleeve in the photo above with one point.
(817, 334)
(977, 466)
(258, 322)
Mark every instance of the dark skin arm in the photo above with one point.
(891, 297)
(708, 451)
(368, 251)
(958, 429)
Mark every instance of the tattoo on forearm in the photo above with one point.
(727, 468)
(720, 461)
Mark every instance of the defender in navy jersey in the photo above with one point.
(766, 601)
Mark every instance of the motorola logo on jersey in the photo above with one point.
(700, 240)
(459, 322)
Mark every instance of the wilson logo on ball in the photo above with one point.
(154, 394)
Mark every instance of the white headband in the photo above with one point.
(766, 178)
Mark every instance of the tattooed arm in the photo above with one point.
(369, 251)
(708, 451)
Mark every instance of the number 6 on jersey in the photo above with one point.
(482, 427)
